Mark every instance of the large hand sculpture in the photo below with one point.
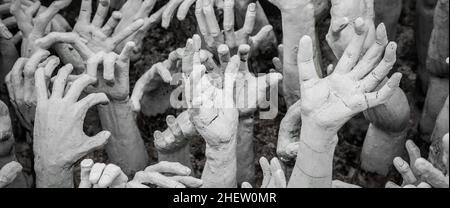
(100, 175)
(212, 108)
(59, 140)
(213, 36)
(125, 147)
(100, 36)
(328, 103)
(33, 28)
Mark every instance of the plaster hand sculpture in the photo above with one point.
(328, 103)
(173, 144)
(212, 108)
(438, 52)
(293, 13)
(273, 174)
(153, 93)
(98, 35)
(125, 147)
(343, 16)
(387, 133)
(100, 175)
(421, 173)
(20, 84)
(132, 11)
(8, 173)
(213, 36)
(58, 145)
(33, 28)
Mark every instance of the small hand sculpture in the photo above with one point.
(273, 174)
(100, 175)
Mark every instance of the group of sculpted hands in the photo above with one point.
(64, 71)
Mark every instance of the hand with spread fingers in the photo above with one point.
(111, 73)
(328, 103)
(211, 105)
(8, 173)
(33, 28)
(273, 174)
(343, 19)
(214, 37)
(98, 35)
(58, 145)
(420, 173)
(130, 12)
(20, 83)
(100, 175)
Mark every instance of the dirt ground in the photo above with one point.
(160, 42)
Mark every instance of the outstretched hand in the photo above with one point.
(58, 145)
(349, 89)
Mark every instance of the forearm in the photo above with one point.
(125, 147)
(295, 25)
(245, 151)
(314, 165)
(220, 167)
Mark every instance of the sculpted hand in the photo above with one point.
(273, 174)
(214, 37)
(8, 173)
(98, 35)
(113, 77)
(100, 175)
(59, 140)
(20, 83)
(212, 106)
(330, 102)
(178, 135)
(132, 11)
(33, 28)
(343, 20)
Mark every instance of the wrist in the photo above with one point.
(53, 175)
(317, 137)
